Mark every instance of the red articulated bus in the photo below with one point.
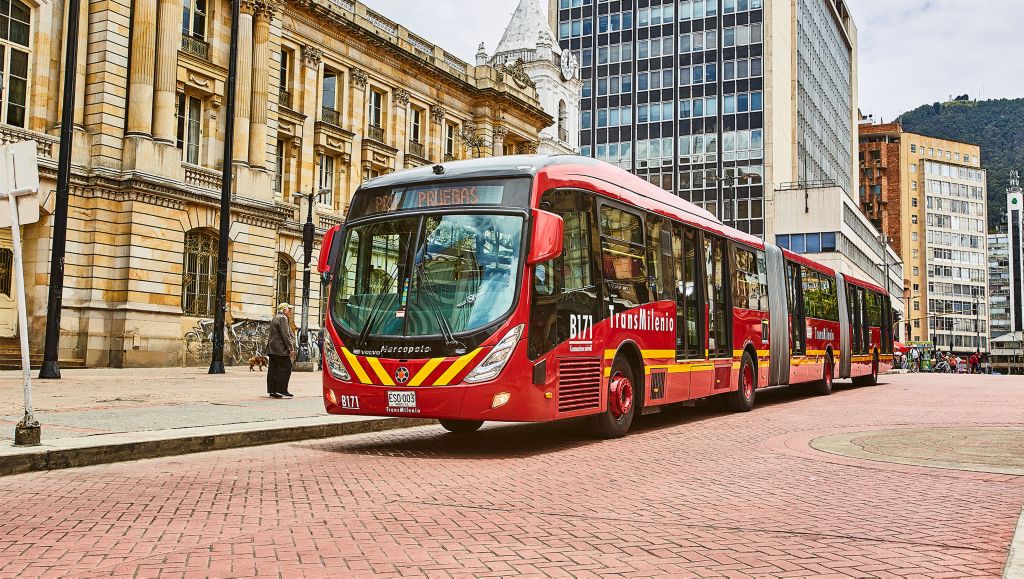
(536, 288)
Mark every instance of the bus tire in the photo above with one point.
(872, 378)
(742, 399)
(824, 386)
(461, 426)
(615, 421)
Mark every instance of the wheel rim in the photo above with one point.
(747, 381)
(621, 395)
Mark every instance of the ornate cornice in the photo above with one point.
(312, 56)
(401, 97)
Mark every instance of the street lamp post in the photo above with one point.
(741, 177)
(308, 230)
(221, 304)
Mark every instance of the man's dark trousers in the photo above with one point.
(279, 372)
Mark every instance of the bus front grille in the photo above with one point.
(579, 384)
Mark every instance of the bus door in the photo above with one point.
(661, 386)
(716, 264)
(689, 305)
(797, 319)
(565, 294)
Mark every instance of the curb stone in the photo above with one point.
(142, 445)
(1015, 561)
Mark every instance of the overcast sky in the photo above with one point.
(912, 52)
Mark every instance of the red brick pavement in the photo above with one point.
(691, 492)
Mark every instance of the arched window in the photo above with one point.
(199, 277)
(563, 118)
(284, 279)
(15, 21)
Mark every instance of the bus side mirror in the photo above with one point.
(547, 237)
(323, 264)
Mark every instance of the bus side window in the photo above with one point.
(622, 257)
(659, 258)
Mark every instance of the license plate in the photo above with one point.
(401, 399)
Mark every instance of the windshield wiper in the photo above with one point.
(446, 330)
(375, 312)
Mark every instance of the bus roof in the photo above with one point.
(574, 170)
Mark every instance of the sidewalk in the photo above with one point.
(93, 416)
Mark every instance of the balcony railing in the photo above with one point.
(284, 98)
(330, 116)
(417, 149)
(196, 46)
(376, 133)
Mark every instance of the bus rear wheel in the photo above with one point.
(824, 387)
(742, 400)
(615, 421)
(461, 426)
(872, 378)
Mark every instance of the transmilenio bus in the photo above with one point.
(536, 288)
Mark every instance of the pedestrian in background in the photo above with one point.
(915, 359)
(281, 351)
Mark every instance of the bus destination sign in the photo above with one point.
(436, 196)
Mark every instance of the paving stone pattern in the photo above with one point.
(693, 492)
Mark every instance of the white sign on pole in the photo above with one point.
(19, 183)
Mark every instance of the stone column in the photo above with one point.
(260, 84)
(307, 88)
(168, 40)
(357, 101)
(140, 75)
(436, 147)
(400, 96)
(243, 92)
(83, 58)
(498, 141)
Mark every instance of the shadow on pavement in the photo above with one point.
(508, 440)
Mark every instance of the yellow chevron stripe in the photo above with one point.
(354, 363)
(455, 368)
(379, 370)
(425, 371)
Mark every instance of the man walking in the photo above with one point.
(281, 351)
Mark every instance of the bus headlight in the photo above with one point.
(495, 361)
(334, 364)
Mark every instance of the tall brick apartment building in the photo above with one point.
(928, 195)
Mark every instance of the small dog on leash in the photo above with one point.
(260, 361)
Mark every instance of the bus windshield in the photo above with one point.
(461, 276)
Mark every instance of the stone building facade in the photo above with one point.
(329, 94)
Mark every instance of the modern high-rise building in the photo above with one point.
(998, 285)
(928, 195)
(722, 102)
(1015, 234)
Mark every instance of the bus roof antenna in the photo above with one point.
(438, 169)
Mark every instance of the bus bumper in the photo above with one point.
(508, 398)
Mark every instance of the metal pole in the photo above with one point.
(220, 309)
(27, 431)
(50, 369)
(307, 254)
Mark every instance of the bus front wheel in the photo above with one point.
(461, 426)
(623, 395)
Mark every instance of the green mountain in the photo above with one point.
(996, 125)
